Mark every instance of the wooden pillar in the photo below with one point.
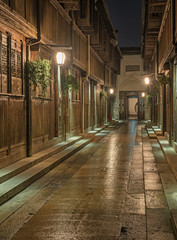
(83, 105)
(28, 108)
(63, 109)
(9, 69)
(171, 104)
(56, 103)
(164, 108)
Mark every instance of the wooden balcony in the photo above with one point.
(71, 4)
(153, 14)
(85, 16)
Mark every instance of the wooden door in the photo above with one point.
(141, 108)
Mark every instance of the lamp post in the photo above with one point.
(148, 106)
(61, 96)
(111, 91)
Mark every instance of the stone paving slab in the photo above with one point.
(100, 200)
(167, 168)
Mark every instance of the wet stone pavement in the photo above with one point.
(109, 190)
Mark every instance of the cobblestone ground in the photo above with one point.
(109, 190)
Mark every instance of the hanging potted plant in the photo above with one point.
(39, 74)
(104, 94)
(163, 79)
(154, 90)
(71, 83)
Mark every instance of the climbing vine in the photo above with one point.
(39, 74)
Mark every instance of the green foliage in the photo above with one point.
(104, 94)
(163, 79)
(154, 89)
(149, 99)
(71, 82)
(39, 74)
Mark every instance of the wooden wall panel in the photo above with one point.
(86, 105)
(85, 17)
(176, 20)
(3, 121)
(96, 67)
(80, 48)
(107, 76)
(37, 118)
(31, 10)
(4, 64)
(97, 39)
(166, 37)
(20, 7)
(98, 101)
(53, 25)
(76, 117)
(17, 121)
(49, 119)
(43, 122)
(6, 1)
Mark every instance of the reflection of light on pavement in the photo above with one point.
(110, 181)
(132, 128)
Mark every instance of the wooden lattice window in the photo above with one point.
(11, 72)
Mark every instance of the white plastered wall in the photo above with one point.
(129, 81)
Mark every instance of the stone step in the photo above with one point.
(169, 154)
(157, 130)
(23, 174)
(151, 133)
(22, 165)
(171, 157)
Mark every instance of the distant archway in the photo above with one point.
(131, 105)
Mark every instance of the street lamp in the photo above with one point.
(60, 58)
(111, 90)
(61, 112)
(147, 81)
(60, 61)
(143, 94)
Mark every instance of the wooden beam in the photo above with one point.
(157, 4)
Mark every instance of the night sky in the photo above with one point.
(126, 17)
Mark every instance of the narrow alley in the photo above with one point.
(111, 189)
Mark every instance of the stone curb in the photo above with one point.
(23, 164)
(171, 158)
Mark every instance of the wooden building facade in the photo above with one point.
(37, 29)
(160, 56)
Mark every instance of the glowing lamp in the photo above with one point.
(111, 91)
(143, 94)
(60, 58)
(147, 81)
